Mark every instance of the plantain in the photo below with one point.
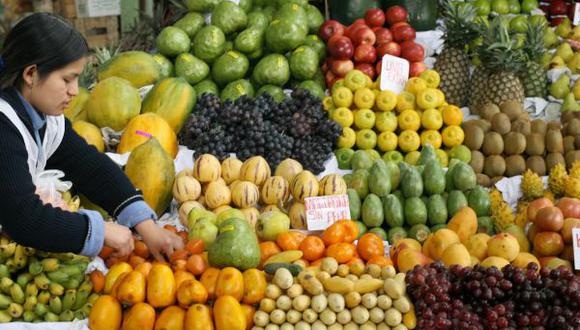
(15, 310)
(57, 276)
(92, 298)
(30, 303)
(43, 297)
(5, 317)
(4, 272)
(56, 289)
(55, 305)
(5, 301)
(8, 250)
(6, 284)
(17, 294)
(23, 279)
(42, 282)
(28, 316)
(40, 310)
(72, 283)
(69, 299)
(50, 264)
(66, 316)
(35, 268)
(31, 290)
(50, 317)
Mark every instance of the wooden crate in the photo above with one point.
(67, 8)
(99, 31)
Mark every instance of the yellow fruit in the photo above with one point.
(432, 119)
(464, 224)
(387, 141)
(497, 262)
(523, 259)
(139, 68)
(456, 254)
(386, 101)
(431, 77)
(428, 98)
(441, 98)
(342, 97)
(474, 261)
(410, 120)
(452, 115)
(415, 85)
(503, 245)
(431, 137)
(409, 141)
(386, 121)
(142, 127)
(364, 98)
(355, 80)
(412, 158)
(442, 239)
(442, 157)
(339, 83)
(90, 133)
(366, 139)
(477, 245)
(343, 116)
(75, 110)
(364, 118)
(347, 139)
(328, 103)
(405, 101)
(453, 136)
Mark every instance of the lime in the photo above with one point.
(173, 41)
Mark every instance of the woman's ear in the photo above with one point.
(29, 75)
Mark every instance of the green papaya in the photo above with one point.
(415, 211)
(479, 201)
(485, 225)
(361, 160)
(419, 232)
(354, 204)
(379, 232)
(455, 202)
(434, 178)
(379, 180)
(437, 210)
(372, 211)
(412, 183)
(427, 154)
(393, 211)
(464, 177)
(347, 178)
(449, 185)
(395, 174)
(396, 233)
(437, 227)
(359, 183)
(400, 197)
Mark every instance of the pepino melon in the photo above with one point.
(144, 126)
(173, 99)
(113, 103)
(76, 108)
(152, 171)
(90, 133)
(139, 68)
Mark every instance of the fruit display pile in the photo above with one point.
(296, 127)
(513, 7)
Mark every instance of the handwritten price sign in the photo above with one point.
(576, 242)
(394, 73)
(321, 212)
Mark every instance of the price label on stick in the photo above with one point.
(576, 242)
(394, 73)
(321, 212)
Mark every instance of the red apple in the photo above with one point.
(412, 51)
(383, 36)
(367, 69)
(331, 28)
(340, 47)
(399, 24)
(363, 36)
(396, 14)
(365, 54)
(351, 30)
(329, 77)
(378, 67)
(375, 17)
(403, 33)
(416, 69)
(324, 67)
(359, 21)
(341, 67)
(392, 48)
(558, 7)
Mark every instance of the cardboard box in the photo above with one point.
(98, 8)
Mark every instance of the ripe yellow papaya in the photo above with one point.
(144, 126)
(139, 68)
(113, 103)
(173, 99)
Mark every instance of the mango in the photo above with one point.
(474, 261)
(503, 245)
(495, 262)
(442, 239)
(456, 254)
(520, 235)
(477, 245)
(409, 258)
(464, 224)
(523, 259)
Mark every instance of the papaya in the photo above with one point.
(379, 180)
(436, 210)
(152, 171)
(113, 103)
(372, 211)
(455, 201)
(479, 201)
(464, 224)
(90, 133)
(464, 177)
(105, 314)
(412, 183)
(415, 211)
(359, 183)
(434, 178)
(140, 317)
(144, 126)
(138, 67)
(395, 174)
(161, 286)
(393, 210)
(228, 314)
(173, 99)
(354, 204)
(76, 108)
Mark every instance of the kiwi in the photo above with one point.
(477, 160)
(554, 141)
(492, 144)
(535, 144)
(539, 126)
(501, 123)
(487, 110)
(573, 127)
(554, 158)
(567, 116)
(522, 126)
(514, 143)
(569, 143)
(536, 164)
(515, 165)
(511, 108)
(496, 179)
(554, 125)
(523, 116)
(483, 180)
(571, 157)
(473, 137)
(484, 125)
(577, 142)
(494, 166)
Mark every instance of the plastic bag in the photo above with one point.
(50, 189)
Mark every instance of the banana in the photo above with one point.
(28, 316)
(55, 305)
(5, 301)
(19, 253)
(56, 289)
(58, 277)
(43, 297)
(35, 268)
(5, 317)
(31, 290)
(66, 316)
(11, 264)
(4, 270)
(42, 282)
(17, 294)
(6, 284)
(92, 298)
(29, 251)
(50, 264)
(50, 317)
(21, 261)
(15, 310)
(8, 250)
(69, 299)
(30, 303)
(73, 283)
(40, 310)
(87, 308)
(81, 298)
(4, 240)
(70, 270)
(80, 315)
(23, 279)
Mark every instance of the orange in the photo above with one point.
(312, 247)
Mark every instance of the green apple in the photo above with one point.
(386, 121)
(393, 156)
(271, 224)
(204, 229)
(366, 139)
(529, 5)
(364, 118)
(519, 24)
(483, 7)
(514, 6)
(501, 7)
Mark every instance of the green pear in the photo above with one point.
(204, 229)
(557, 62)
(561, 87)
(565, 51)
(574, 63)
(570, 103)
(550, 38)
(564, 29)
(546, 59)
(576, 33)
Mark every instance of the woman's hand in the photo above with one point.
(159, 241)
(119, 238)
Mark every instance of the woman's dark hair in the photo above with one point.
(43, 39)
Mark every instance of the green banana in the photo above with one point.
(80, 315)
(23, 279)
(93, 298)
(20, 258)
(50, 317)
(72, 283)
(5, 317)
(87, 308)
(35, 268)
(28, 316)
(6, 284)
(40, 310)
(70, 270)
(30, 303)
(17, 294)
(56, 289)
(42, 282)
(43, 297)
(55, 305)
(5, 301)
(81, 298)
(69, 299)
(50, 264)
(4, 270)
(66, 316)
(31, 290)
(57, 276)
(15, 310)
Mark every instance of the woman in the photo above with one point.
(40, 63)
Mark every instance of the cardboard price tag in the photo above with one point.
(576, 242)
(321, 212)
(394, 73)
(576, 14)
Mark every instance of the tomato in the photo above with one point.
(141, 249)
(370, 245)
(569, 224)
(290, 240)
(549, 219)
(333, 234)
(351, 230)
(196, 265)
(548, 244)
(570, 207)
(179, 255)
(342, 252)
(195, 246)
(536, 205)
(312, 247)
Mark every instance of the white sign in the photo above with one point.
(577, 14)
(576, 242)
(98, 8)
(394, 73)
(321, 212)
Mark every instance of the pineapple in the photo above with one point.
(557, 179)
(500, 57)
(453, 63)
(477, 87)
(532, 186)
(534, 75)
